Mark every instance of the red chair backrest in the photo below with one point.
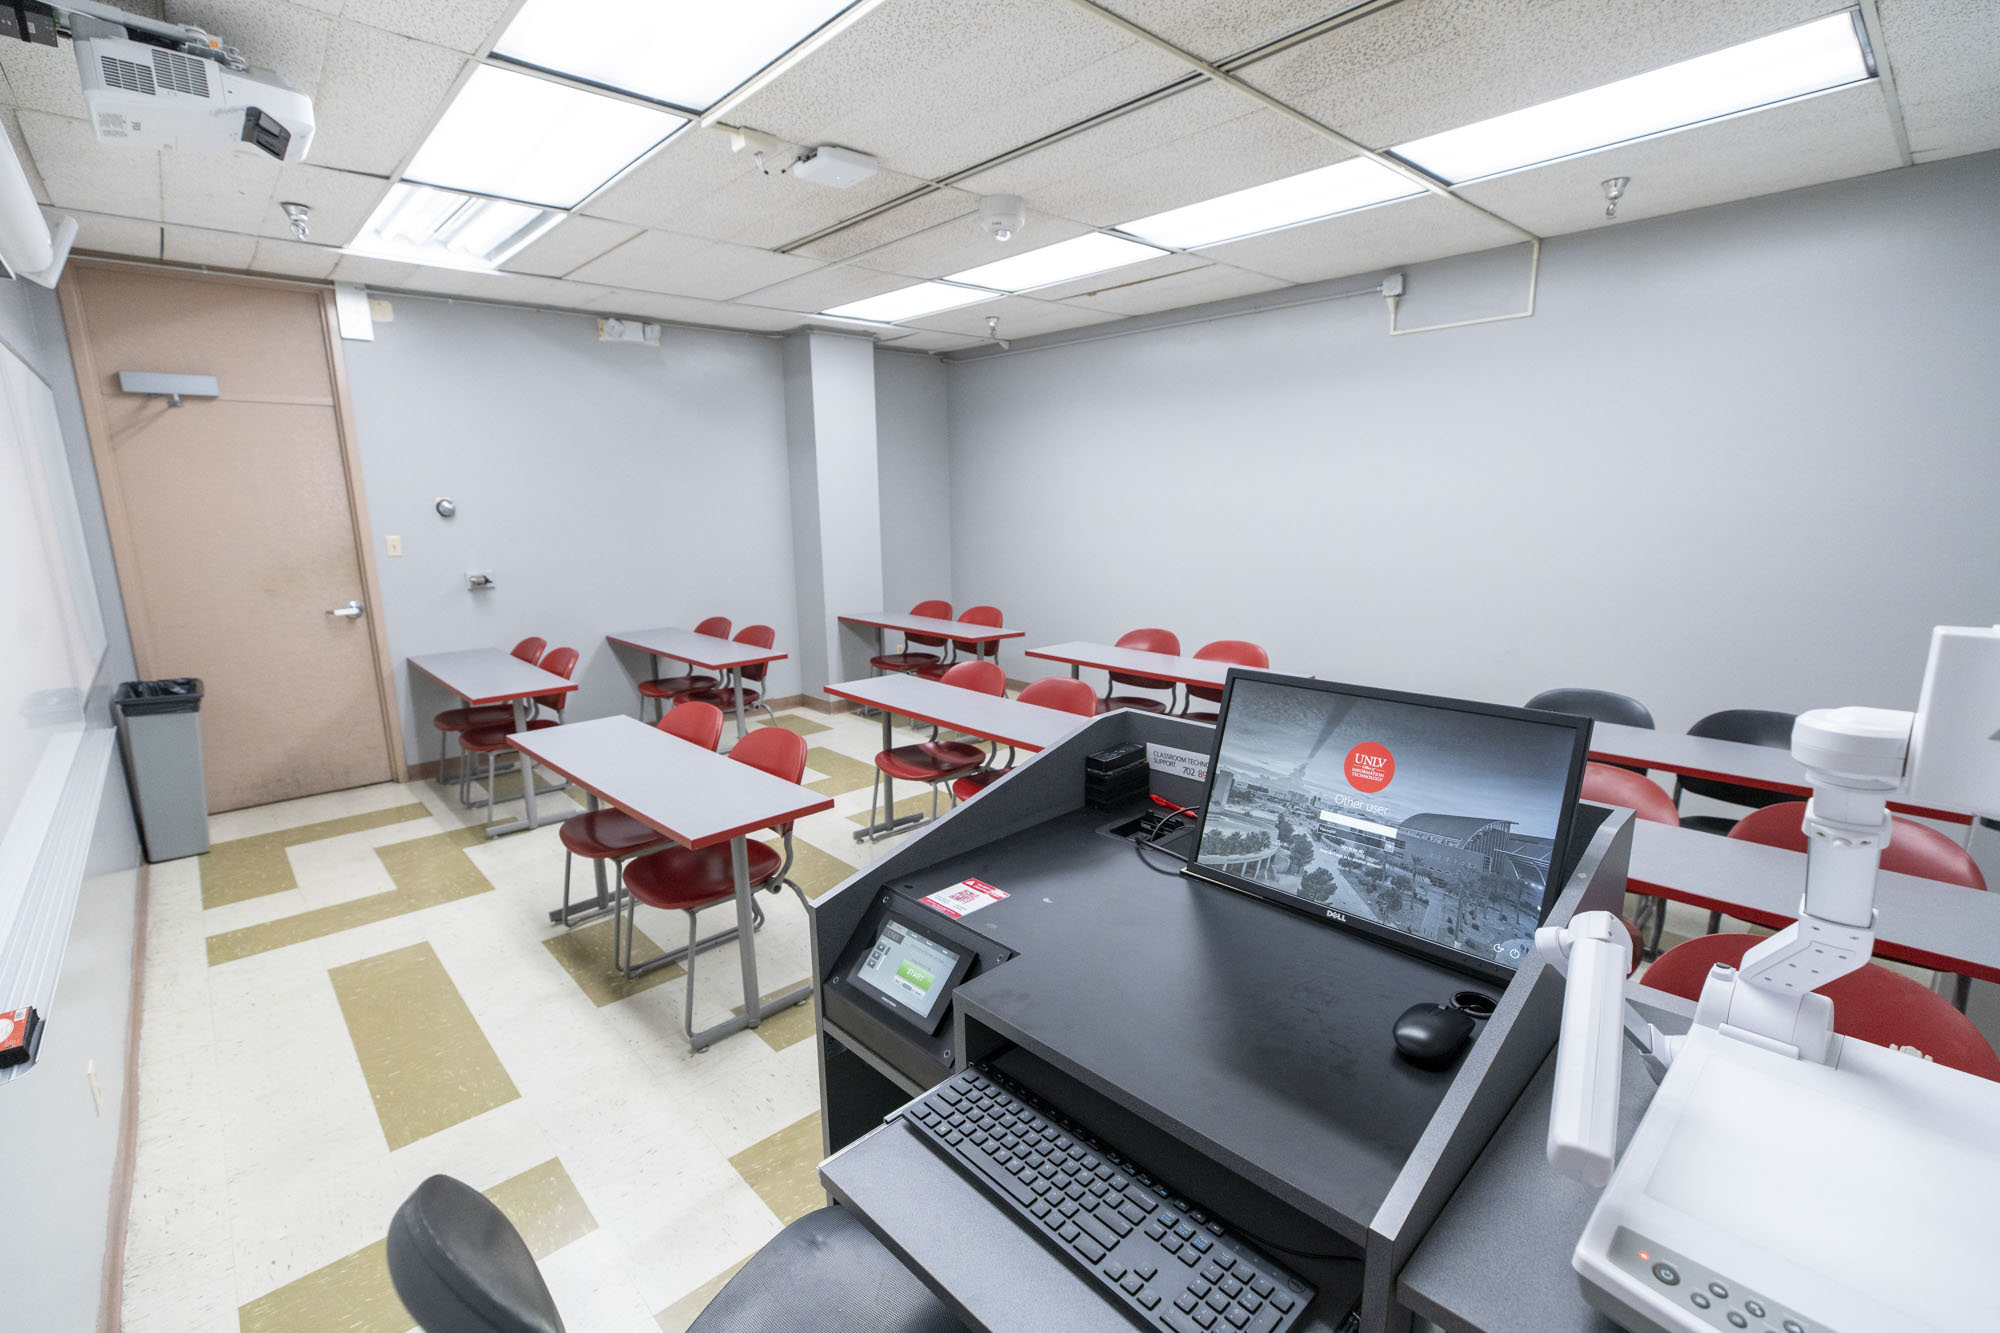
(933, 610)
(1609, 785)
(757, 636)
(1147, 641)
(715, 627)
(560, 662)
(1874, 1004)
(695, 722)
(1914, 849)
(982, 615)
(985, 677)
(1063, 693)
(779, 752)
(1236, 652)
(530, 650)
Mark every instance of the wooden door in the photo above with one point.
(236, 522)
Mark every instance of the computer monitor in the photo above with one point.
(1436, 825)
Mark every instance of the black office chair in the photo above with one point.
(1598, 706)
(459, 1266)
(1747, 726)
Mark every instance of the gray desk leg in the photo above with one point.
(742, 728)
(1075, 671)
(601, 905)
(888, 824)
(525, 766)
(661, 704)
(746, 947)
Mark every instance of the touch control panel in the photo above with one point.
(1712, 1298)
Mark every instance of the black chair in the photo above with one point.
(1598, 706)
(459, 1266)
(1747, 726)
(825, 1273)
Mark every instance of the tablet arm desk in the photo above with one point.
(1241, 1051)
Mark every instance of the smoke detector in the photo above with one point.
(1004, 215)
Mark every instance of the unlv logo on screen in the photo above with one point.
(1370, 766)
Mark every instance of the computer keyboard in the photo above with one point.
(1164, 1258)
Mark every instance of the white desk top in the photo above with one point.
(956, 630)
(1009, 721)
(489, 676)
(694, 796)
(702, 650)
(1160, 666)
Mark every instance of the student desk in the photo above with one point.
(489, 676)
(990, 717)
(690, 795)
(702, 650)
(957, 631)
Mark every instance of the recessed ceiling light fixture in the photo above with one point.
(686, 53)
(519, 136)
(1077, 257)
(1798, 62)
(925, 298)
(1357, 183)
(445, 229)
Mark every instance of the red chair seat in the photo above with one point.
(666, 687)
(684, 879)
(607, 834)
(970, 786)
(933, 761)
(1873, 1005)
(724, 696)
(1144, 705)
(903, 661)
(485, 739)
(466, 719)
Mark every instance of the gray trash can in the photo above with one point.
(159, 733)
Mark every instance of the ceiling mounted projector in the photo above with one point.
(838, 167)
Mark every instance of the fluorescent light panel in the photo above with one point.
(925, 298)
(1343, 187)
(1077, 257)
(530, 139)
(1794, 63)
(687, 52)
(445, 229)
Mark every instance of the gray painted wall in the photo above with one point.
(912, 429)
(59, 1189)
(1743, 457)
(605, 486)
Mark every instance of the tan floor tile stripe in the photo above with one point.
(805, 726)
(813, 870)
(355, 1295)
(428, 1065)
(585, 953)
(787, 1027)
(245, 868)
(784, 1169)
(427, 871)
(844, 773)
(676, 1317)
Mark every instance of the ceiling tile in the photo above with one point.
(216, 249)
(660, 261)
(688, 310)
(1020, 317)
(10, 121)
(1406, 232)
(836, 284)
(1835, 135)
(368, 269)
(341, 202)
(43, 78)
(462, 25)
(112, 235)
(377, 96)
(1194, 145)
(907, 219)
(1214, 31)
(1171, 291)
(81, 173)
(934, 86)
(964, 243)
(1424, 66)
(224, 191)
(519, 288)
(273, 35)
(1945, 56)
(293, 260)
(570, 243)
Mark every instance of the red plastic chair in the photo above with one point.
(1608, 784)
(895, 663)
(613, 835)
(1146, 641)
(1873, 1004)
(985, 648)
(935, 761)
(723, 695)
(1065, 694)
(662, 688)
(492, 741)
(682, 879)
(1236, 652)
(452, 720)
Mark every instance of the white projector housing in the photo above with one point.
(838, 167)
(149, 97)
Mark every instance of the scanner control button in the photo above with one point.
(1794, 1326)
(1754, 1310)
(1736, 1319)
(1667, 1274)
(1717, 1290)
(1700, 1301)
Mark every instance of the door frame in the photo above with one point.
(90, 381)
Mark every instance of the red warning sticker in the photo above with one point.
(964, 898)
(1370, 766)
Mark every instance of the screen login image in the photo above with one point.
(1437, 823)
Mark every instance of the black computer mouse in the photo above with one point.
(1432, 1035)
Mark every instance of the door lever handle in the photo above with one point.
(352, 611)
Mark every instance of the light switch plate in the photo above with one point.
(395, 546)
